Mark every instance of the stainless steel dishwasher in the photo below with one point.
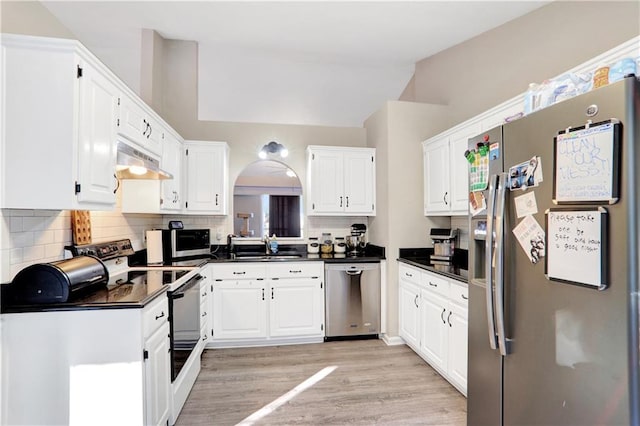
(352, 299)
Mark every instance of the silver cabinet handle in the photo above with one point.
(408, 274)
(465, 297)
(239, 273)
(442, 315)
(263, 294)
(415, 301)
(449, 318)
(204, 314)
(445, 198)
(432, 284)
(340, 201)
(347, 197)
(160, 316)
(216, 199)
(295, 271)
(271, 293)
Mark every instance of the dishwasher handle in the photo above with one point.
(354, 272)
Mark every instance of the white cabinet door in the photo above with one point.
(136, 125)
(296, 307)
(459, 168)
(157, 377)
(239, 309)
(97, 133)
(409, 321)
(206, 177)
(326, 192)
(172, 155)
(433, 341)
(341, 181)
(457, 360)
(359, 182)
(436, 175)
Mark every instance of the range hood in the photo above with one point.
(132, 163)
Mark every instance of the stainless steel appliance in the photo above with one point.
(356, 242)
(57, 282)
(177, 243)
(444, 244)
(352, 299)
(184, 314)
(543, 351)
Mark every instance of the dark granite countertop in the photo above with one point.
(294, 253)
(419, 257)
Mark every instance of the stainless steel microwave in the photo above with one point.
(177, 243)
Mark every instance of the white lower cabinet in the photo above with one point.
(117, 357)
(433, 321)
(239, 309)
(157, 377)
(409, 321)
(258, 304)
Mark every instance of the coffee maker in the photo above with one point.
(356, 242)
(444, 244)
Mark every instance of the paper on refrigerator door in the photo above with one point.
(531, 237)
(526, 204)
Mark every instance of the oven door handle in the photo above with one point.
(179, 293)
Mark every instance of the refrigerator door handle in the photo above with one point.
(499, 260)
(493, 181)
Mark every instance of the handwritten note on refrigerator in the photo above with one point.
(586, 165)
(576, 246)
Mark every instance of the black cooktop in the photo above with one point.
(131, 286)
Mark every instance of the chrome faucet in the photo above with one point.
(267, 245)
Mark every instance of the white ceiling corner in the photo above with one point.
(321, 63)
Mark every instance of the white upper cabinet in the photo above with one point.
(59, 117)
(172, 155)
(446, 172)
(206, 177)
(341, 181)
(136, 123)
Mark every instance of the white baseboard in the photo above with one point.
(392, 340)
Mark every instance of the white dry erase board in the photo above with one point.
(587, 164)
(577, 246)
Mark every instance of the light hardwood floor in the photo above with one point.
(373, 384)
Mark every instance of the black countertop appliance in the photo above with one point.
(55, 282)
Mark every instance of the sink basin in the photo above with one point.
(270, 257)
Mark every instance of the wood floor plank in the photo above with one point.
(373, 384)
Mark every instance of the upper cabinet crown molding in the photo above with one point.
(341, 181)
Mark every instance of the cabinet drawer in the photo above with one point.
(435, 283)
(155, 315)
(296, 270)
(238, 271)
(459, 294)
(410, 274)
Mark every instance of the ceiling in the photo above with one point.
(319, 63)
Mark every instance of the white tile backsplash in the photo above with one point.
(39, 236)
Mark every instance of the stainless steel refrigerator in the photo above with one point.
(547, 348)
